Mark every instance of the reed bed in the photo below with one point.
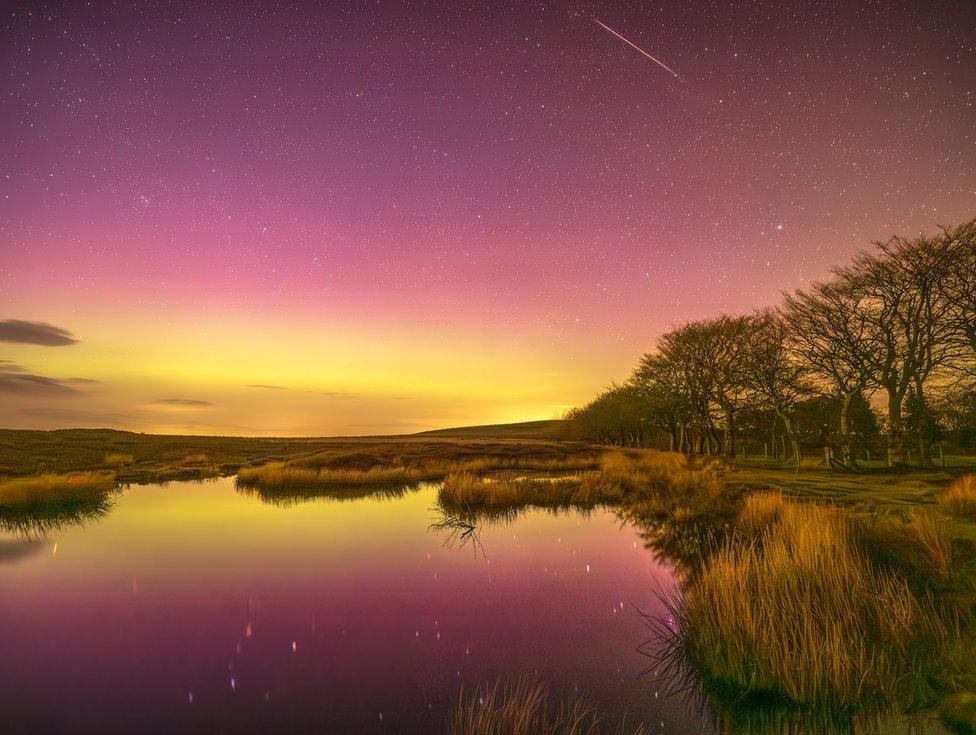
(525, 707)
(311, 473)
(52, 487)
(469, 490)
(118, 459)
(960, 499)
(277, 475)
(799, 611)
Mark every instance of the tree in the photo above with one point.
(908, 325)
(773, 373)
(825, 331)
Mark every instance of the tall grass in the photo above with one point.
(525, 707)
(74, 485)
(469, 490)
(277, 475)
(960, 499)
(799, 611)
(118, 459)
(312, 472)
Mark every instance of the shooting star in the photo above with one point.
(639, 49)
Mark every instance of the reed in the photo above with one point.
(799, 611)
(960, 499)
(469, 490)
(118, 459)
(52, 487)
(526, 707)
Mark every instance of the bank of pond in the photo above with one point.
(777, 613)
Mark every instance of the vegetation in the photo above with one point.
(31, 505)
(525, 707)
(798, 610)
(960, 499)
(898, 321)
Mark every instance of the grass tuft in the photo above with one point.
(800, 612)
(960, 499)
(525, 707)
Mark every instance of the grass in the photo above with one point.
(31, 506)
(118, 459)
(793, 607)
(526, 707)
(160, 458)
(960, 499)
(50, 487)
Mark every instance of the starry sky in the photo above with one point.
(382, 217)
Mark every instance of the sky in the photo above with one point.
(274, 218)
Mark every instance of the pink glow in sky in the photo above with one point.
(430, 213)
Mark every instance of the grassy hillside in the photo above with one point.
(154, 458)
(552, 429)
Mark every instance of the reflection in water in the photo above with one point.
(35, 518)
(285, 497)
(17, 549)
(457, 532)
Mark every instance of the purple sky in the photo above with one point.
(501, 184)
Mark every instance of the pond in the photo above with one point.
(197, 608)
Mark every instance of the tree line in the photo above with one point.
(896, 328)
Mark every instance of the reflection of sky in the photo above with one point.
(193, 604)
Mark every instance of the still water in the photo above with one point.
(196, 608)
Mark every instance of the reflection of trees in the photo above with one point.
(35, 518)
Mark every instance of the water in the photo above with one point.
(195, 608)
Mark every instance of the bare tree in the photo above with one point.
(777, 378)
(908, 325)
(959, 289)
(826, 331)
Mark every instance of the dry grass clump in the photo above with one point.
(277, 475)
(469, 490)
(801, 612)
(43, 488)
(118, 459)
(659, 484)
(960, 499)
(919, 543)
(526, 708)
(759, 511)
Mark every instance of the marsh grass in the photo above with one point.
(118, 459)
(467, 489)
(526, 707)
(799, 612)
(960, 498)
(281, 476)
(52, 488)
(32, 506)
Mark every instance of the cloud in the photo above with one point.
(78, 417)
(183, 402)
(26, 384)
(266, 387)
(9, 366)
(81, 381)
(35, 333)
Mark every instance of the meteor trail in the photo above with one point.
(642, 51)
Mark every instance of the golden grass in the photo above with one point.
(759, 511)
(312, 473)
(469, 490)
(525, 707)
(801, 612)
(279, 475)
(71, 486)
(118, 459)
(960, 499)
